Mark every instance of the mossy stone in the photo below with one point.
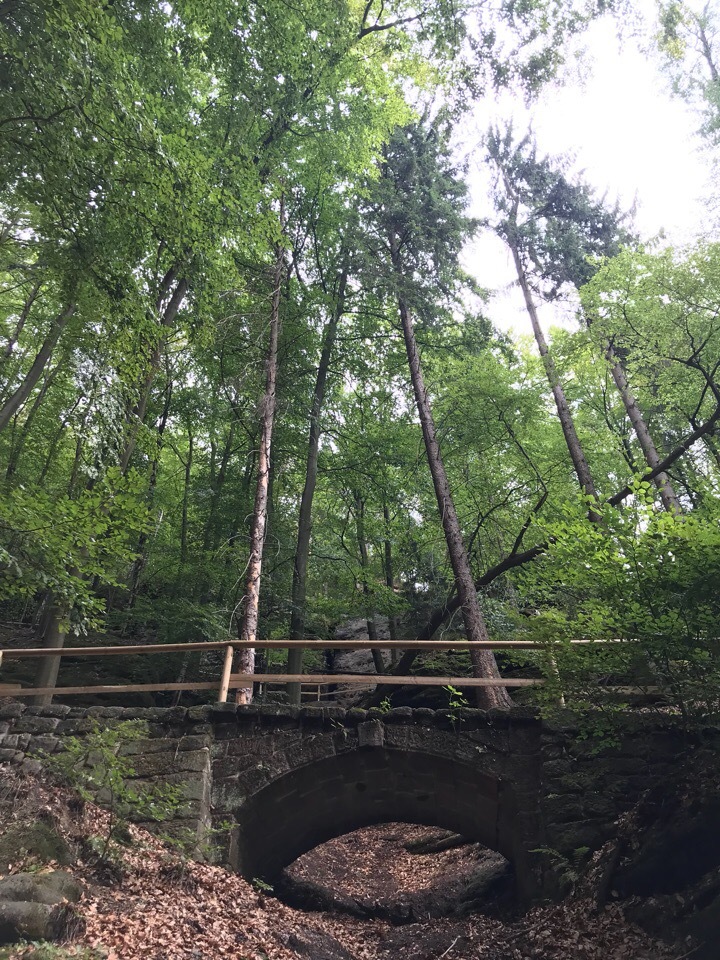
(38, 840)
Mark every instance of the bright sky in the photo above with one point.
(628, 136)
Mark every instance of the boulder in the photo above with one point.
(33, 921)
(48, 888)
(39, 840)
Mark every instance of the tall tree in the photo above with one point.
(251, 600)
(419, 215)
(557, 232)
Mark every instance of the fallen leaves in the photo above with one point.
(153, 911)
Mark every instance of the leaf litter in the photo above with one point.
(159, 907)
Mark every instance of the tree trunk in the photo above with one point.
(582, 470)
(167, 320)
(483, 661)
(367, 590)
(216, 485)
(302, 548)
(53, 639)
(185, 501)
(24, 432)
(142, 550)
(248, 627)
(18, 398)
(27, 306)
(665, 488)
(389, 580)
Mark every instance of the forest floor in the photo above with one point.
(150, 904)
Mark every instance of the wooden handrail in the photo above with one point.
(248, 679)
(381, 679)
(429, 645)
(229, 681)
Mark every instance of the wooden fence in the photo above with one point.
(230, 681)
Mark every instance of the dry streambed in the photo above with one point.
(150, 905)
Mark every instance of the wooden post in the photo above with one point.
(226, 671)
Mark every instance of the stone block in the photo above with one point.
(252, 746)
(193, 790)
(222, 712)
(471, 718)
(280, 711)
(44, 744)
(31, 724)
(171, 762)
(230, 768)
(49, 888)
(423, 715)
(31, 766)
(106, 713)
(11, 710)
(75, 726)
(161, 715)
(145, 746)
(176, 715)
(568, 837)
(16, 741)
(399, 715)
(199, 714)
(376, 713)
(7, 755)
(355, 715)
(498, 717)
(249, 711)
(60, 710)
(371, 733)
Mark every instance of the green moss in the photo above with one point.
(48, 951)
(37, 841)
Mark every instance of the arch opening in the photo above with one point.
(334, 796)
(401, 873)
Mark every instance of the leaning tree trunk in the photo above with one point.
(669, 498)
(302, 549)
(577, 455)
(483, 661)
(249, 623)
(42, 358)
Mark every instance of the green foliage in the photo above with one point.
(188, 844)
(43, 950)
(646, 581)
(56, 544)
(146, 148)
(559, 227)
(456, 701)
(95, 766)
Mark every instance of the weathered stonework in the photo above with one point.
(287, 778)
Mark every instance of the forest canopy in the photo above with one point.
(248, 387)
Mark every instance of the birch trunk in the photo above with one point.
(302, 549)
(249, 623)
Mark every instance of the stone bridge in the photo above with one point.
(288, 779)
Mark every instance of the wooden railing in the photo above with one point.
(230, 681)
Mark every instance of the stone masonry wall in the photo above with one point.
(288, 778)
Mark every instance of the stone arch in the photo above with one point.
(330, 796)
